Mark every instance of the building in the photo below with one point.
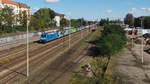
(58, 18)
(17, 7)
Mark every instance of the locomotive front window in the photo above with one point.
(43, 35)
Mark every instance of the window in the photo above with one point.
(43, 35)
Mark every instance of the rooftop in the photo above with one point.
(15, 3)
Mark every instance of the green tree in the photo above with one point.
(146, 22)
(63, 22)
(8, 16)
(104, 21)
(23, 18)
(43, 18)
(77, 22)
(112, 40)
(137, 22)
(7, 19)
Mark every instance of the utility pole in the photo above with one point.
(132, 37)
(88, 27)
(142, 50)
(81, 27)
(27, 46)
(70, 33)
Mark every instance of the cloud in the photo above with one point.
(140, 11)
(108, 11)
(148, 9)
(52, 1)
(133, 9)
(143, 9)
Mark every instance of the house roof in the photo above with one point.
(15, 3)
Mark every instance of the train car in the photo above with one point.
(70, 31)
(45, 37)
(74, 30)
(66, 32)
(61, 33)
(79, 28)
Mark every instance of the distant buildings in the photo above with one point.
(58, 18)
(18, 8)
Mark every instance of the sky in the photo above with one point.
(93, 9)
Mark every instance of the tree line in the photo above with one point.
(143, 21)
(42, 19)
(107, 21)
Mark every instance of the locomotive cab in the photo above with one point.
(43, 37)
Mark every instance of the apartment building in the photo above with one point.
(18, 8)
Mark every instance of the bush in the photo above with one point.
(20, 28)
(112, 40)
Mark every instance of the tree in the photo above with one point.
(45, 17)
(77, 22)
(7, 19)
(129, 19)
(8, 16)
(146, 22)
(23, 18)
(104, 21)
(63, 22)
(137, 22)
(112, 40)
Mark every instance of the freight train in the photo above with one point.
(48, 36)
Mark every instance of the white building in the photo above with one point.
(58, 18)
(17, 7)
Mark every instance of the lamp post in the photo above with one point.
(70, 33)
(81, 27)
(27, 45)
(142, 44)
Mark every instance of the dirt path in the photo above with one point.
(127, 67)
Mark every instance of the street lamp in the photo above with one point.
(142, 44)
(69, 31)
(81, 27)
(27, 45)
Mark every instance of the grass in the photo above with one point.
(4, 61)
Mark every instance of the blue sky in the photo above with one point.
(93, 9)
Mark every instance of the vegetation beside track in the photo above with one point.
(111, 41)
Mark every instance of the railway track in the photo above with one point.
(23, 49)
(13, 74)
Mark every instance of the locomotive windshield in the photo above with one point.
(43, 35)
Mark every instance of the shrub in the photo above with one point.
(112, 40)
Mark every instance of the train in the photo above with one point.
(51, 35)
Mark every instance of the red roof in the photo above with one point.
(15, 3)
